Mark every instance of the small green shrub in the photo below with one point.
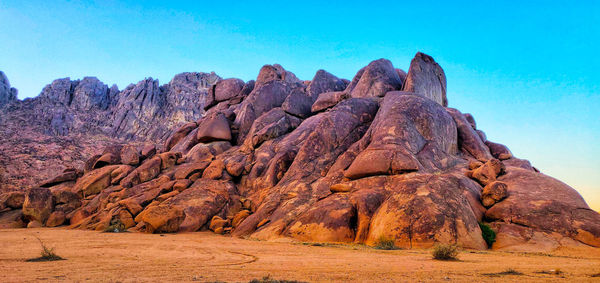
(385, 243)
(445, 252)
(487, 233)
(47, 254)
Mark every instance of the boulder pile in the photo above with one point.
(72, 120)
(326, 160)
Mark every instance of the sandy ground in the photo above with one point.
(206, 257)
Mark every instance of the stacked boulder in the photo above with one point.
(326, 160)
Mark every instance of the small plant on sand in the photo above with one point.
(47, 253)
(116, 226)
(509, 271)
(445, 251)
(488, 234)
(385, 243)
(268, 279)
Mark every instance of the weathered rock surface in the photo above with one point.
(73, 119)
(319, 160)
(7, 93)
(426, 77)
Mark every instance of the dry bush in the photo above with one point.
(445, 252)
(385, 243)
(47, 253)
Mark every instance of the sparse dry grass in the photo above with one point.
(445, 252)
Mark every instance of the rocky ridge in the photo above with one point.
(72, 120)
(326, 160)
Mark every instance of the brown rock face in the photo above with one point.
(409, 133)
(285, 158)
(426, 77)
(38, 204)
(493, 193)
(544, 204)
(374, 80)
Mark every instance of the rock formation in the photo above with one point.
(72, 120)
(7, 93)
(326, 160)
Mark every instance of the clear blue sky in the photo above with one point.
(529, 73)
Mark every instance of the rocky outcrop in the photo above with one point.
(284, 158)
(7, 94)
(426, 78)
(73, 119)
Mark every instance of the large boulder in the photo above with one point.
(38, 204)
(469, 140)
(426, 77)
(327, 100)
(163, 219)
(376, 79)
(12, 200)
(200, 202)
(324, 81)
(227, 89)
(214, 128)
(95, 181)
(409, 133)
(541, 203)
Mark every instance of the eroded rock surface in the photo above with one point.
(325, 160)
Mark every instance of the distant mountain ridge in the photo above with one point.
(82, 113)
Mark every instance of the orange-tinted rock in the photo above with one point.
(239, 217)
(181, 185)
(488, 172)
(468, 139)
(34, 224)
(130, 155)
(341, 188)
(95, 181)
(12, 200)
(499, 151)
(57, 218)
(168, 159)
(217, 224)
(200, 202)
(214, 170)
(542, 203)
(38, 204)
(493, 193)
(163, 219)
(12, 219)
(419, 214)
(184, 171)
(120, 173)
(146, 172)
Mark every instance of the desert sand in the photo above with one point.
(206, 257)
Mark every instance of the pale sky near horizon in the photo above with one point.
(529, 73)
